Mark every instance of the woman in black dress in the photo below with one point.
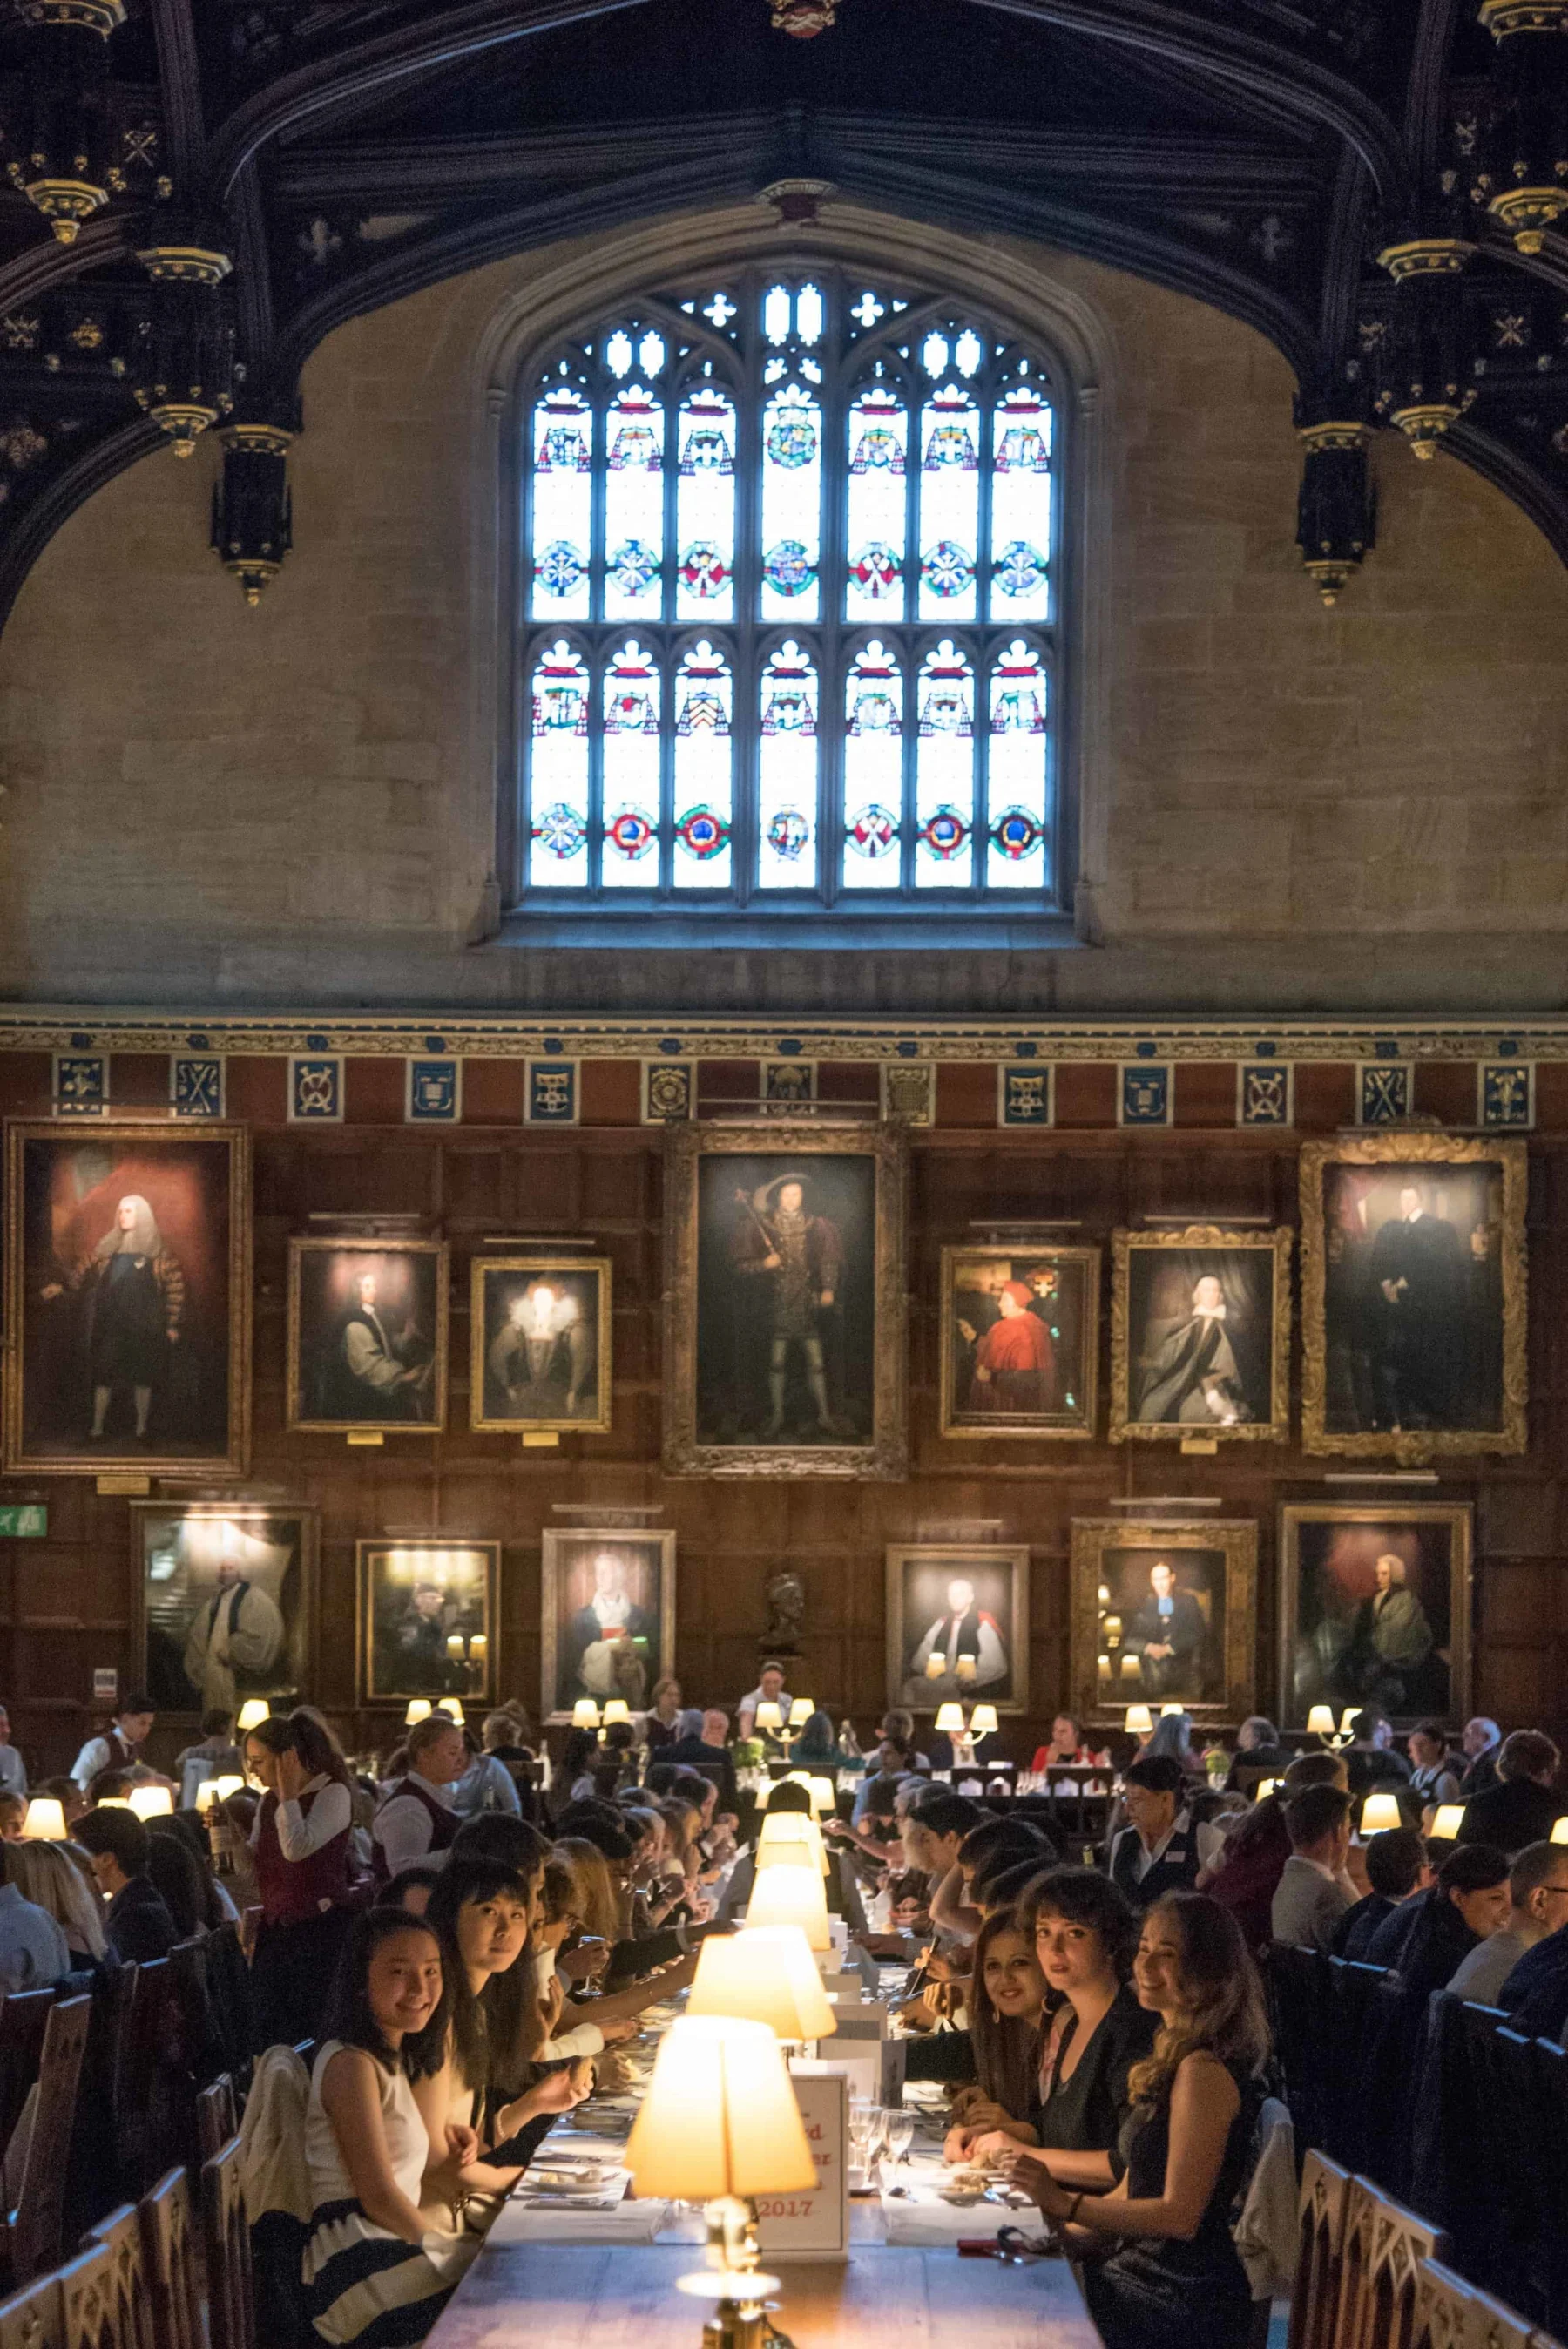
(1173, 2279)
(1007, 2007)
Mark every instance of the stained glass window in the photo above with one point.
(788, 603)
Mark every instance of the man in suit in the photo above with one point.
(1425, 1938)
(1482, 1744)
(1159, 1851)
(1370, 1757)
(1396, 1868)
(1167, 1636)
(138, 1926)
(1521, 1808)
(1314, 1892)
(702, 1739)
(1418, 1296)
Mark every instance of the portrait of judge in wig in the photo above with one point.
(1199, 1326)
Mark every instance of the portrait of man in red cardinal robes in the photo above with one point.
(1014, 1362)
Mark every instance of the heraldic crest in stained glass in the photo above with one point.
(1015, 834)
(878, 446)
(708, 444)
(1023, 440)
(704, 701)
(944, 692)
(951, 439)
(944, 833)
(635, 567)
(1018, 699)
(875, 709)
(788, 833)
(704, 571)
(636, 443)
(561, 831)
(702, 834)
(630, 832)
(560, 568)
(789, 704)
(1020, 568)
(872, 831)
(789, 568)
(561, 692)
(791, 433)
(565, 444)
(875, 571)
(948, 569)
(630, 703)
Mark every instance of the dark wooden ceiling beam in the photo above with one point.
(48, 263)
(180, 87)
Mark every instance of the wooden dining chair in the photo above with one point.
(1451, 2313)
(121, 2235)
(169, 2257)
(36, 2318)
(34, 2231)
(1315, 2301)
(1383, 2248)
(23, 2019)
(92, 2310)
(226, 2244)
(217, 2117)
(138, 2040)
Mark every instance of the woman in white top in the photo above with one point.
(383, 2257)
(42, 1874)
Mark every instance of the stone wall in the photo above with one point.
(1285, 808)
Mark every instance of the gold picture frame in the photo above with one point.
(181, 1552)
(322, 1380)
(1214, 1565)
(403, 1649)
(1328, 1653)
(918, 1577)
(721, 1383)
(540, 1350)
(1355, 1367)
(1076, 1272)
(1258, 1364)
(570, 1570)
(65, 1182)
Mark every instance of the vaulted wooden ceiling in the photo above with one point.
(1376, 185)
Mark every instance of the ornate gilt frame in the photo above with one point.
(1425, 1149)
(1016, 1555)
(351, 1243)
(239, 1513)
(365, 1695)
(1081, 1427)
(603, 1385)
(886, 1456)
(1457, 1516)
(1124, 1429)
(235, 1138)
(554, 1540)
(1237, 1538)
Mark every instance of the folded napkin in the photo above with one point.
(912, 2224)
(579, 2222)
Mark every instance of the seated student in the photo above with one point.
(1537, 1892)
(1521, 1808)
(1173, 2279)
(187, 1891)
(1425, 1938)
(1068, 1747)
(411, 1888)
(13, 1814)
(996, 1842)
(707, 1742)
(1005, 2008)
(1158, 1852)
(33, 1948)
(1314, 1893)
(44, 1874)
(556, 1921)
(1246, 1874)
(138, 1927)
(1535, 1994)
(1396, 1867)
(1370, 1755)
(1084, 1933)
(1257, 1748)
(382, 2258)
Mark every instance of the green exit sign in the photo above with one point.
(28, 1521)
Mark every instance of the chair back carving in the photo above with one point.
(121, 2236)
(1324, 2191)
(217, 2117)
(168, 2254)
(226, 2241)
(23, 2019)
(92, 2314)
(38, 2223)
(1384, 2245)
(34, 2319)
(1453, 2314)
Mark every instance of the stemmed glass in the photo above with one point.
(864, 2133)
(898, 2134)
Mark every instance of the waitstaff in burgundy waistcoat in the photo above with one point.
(302, 1852)
(416, 1817)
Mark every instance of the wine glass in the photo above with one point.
(863, 2126)
(898, 2134)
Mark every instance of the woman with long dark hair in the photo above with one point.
(1173, 2279)
(300, 1849)
(379, 2267)
(1007, 2010)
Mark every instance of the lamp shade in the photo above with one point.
(151, 1802)
(585, 1714)
(1320, 1720)
(253, 1712)
(226, 1787)
(1347, 1719)
(419, 1709)
(1266, 1786)
(720, 2116)
(1446, 1821)
(46, 1820)
(791, 1896)
(452, 1706)
(983, 1721)
(790, 1839)
(765, 1974)
(801, 1712)
(950, 1719)
(1166, 1710)
(824, 1797)
(1140, 1721)
(1559, 1829)
(206, 1794)
(617, 1709)
(1380, 1812)
(768, 1715)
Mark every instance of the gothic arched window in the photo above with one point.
(789, 631)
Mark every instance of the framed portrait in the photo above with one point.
(1200, 1335)
(128, 1325)
(225, 1602)
(1374, 1608)
(539, 1345)
(428, 1610)
(1163, 1614)
(958, 1626)
(1020, 1342)
(785, 1328)
(367, 1336)
(1413, 1294)
(609, 1616)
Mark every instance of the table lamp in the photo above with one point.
(112, 1803)
(253, 1712)
(764, 1974)
(455, 1647)
(1266, 1787)
(1379, 1813)
(791, 1896)
(1560, 1830)
(801, 1712)
(768, 1716)
(151, 1802)
(452, 1706)
(46, 1820)
(983, 1721)
(1139, 1721)
(950, 1719)
(1320, 1720)
(617, 1709)
(719, 2124)
(1348, 1721)
(1446, 1822)
(585, 1714)
(790, 1839)
(824, 1797)
(935, 1667)
(206, 1795)
(225, 1787)
(1166, 1710)
(419, 1709)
